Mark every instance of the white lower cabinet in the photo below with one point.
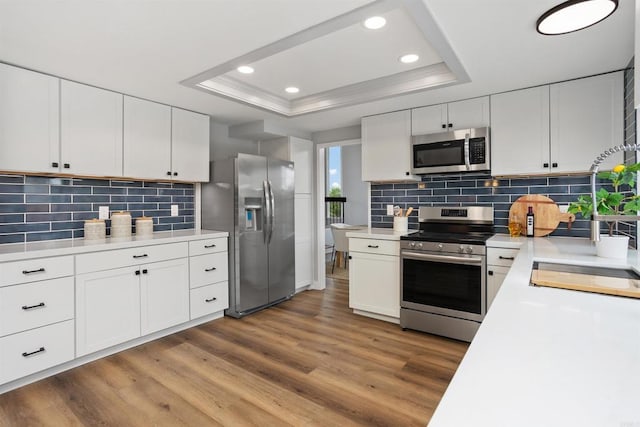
(164, 295)
(107, 309)
(209, 299)
(35, 350)
(499, 261)
(374, 277)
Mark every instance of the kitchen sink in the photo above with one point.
(623, 273)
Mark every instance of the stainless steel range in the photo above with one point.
(443, 271)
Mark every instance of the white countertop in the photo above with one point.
(379, 233)
(20, 251)
(550, 357)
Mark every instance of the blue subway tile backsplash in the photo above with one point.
(35, 208)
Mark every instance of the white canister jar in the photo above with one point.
(144, 226)
(120, 224)
(95, 229)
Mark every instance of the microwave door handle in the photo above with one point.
(466, 151)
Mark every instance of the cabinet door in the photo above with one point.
(107, 309)
(147, 139)
(470, 113)
(302, 158)
(586, 119)
(164, 294)
(374, 283)
(431, 119)
(29, 121)
(303, 239)
(495, 277)
(189, 146)
(386, 145)
(520, 132)
(91, 130)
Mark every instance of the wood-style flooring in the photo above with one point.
(306, 362)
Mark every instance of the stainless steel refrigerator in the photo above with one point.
(252, 197)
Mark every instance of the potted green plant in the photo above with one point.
(612, 203)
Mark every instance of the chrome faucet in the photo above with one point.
(595, 218)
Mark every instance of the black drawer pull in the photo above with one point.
(373, 246)
(40, 270)
(210, 269)
(490, 273)
(137, 272)
(66, 166)
(510, 258)
(210, 299)
(169, 173)
(40, 350)
(175, 174)
(54, 164)
(30, 307)
(141, 256)
(545, 165)
(209, 246)
(554, 165)
(145, 271)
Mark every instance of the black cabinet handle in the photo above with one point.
(490, 273)
(510, 258)
(40, 350)
(545, 165)
(40, 270)
(350, 257)
(373, 246)
(444, 126)
(137, 272)
(30, 307)
(145, 271)
(407, 173)
(141, 256)
(209, 246)
(169, 173)
(175, 174)
(554, 165)
(210, 299)
(66, 165)
(54, 164)
(210, 269)
(450, 125)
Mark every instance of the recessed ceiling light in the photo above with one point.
(292, 89)
(375, 22)
(245, 69)
(409, 58)
(574, 15)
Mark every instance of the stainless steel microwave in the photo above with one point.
(462, 150)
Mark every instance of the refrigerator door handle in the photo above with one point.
(272, 202)
(267, 212)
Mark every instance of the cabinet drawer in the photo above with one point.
(373, 246)
(501, 256)
(208, 246)
(209, 299)
(207, 269)
(35, 350)
(107, 260)
(32, 305)
(13, 273)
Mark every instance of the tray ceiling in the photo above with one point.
(357, 64)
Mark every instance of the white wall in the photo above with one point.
(353, 188)
(224, 147)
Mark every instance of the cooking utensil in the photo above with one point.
(546, 211)
(409, 212)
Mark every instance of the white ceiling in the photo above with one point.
(146, 47)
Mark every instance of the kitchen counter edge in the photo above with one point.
(379, 233)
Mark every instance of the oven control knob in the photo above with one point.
(461, 249)
(468, 249)
(412, 244)
(440, 246)
(419, 245)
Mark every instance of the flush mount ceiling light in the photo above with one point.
(292, 89)
(409, 58)
(375, 22)
(245, 69)
(574, 15)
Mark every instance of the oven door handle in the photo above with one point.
(444, 258)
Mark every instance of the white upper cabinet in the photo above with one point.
(587, 117)
(302, 158)
(91, 130)
(29, 121)
(520, 132)
(386, 147)
(147, 139)
(469, 113)
(558, 128)
(189, 145)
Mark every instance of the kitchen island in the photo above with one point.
(550, 357)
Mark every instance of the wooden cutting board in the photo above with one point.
(547, 214)
(588, 283)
